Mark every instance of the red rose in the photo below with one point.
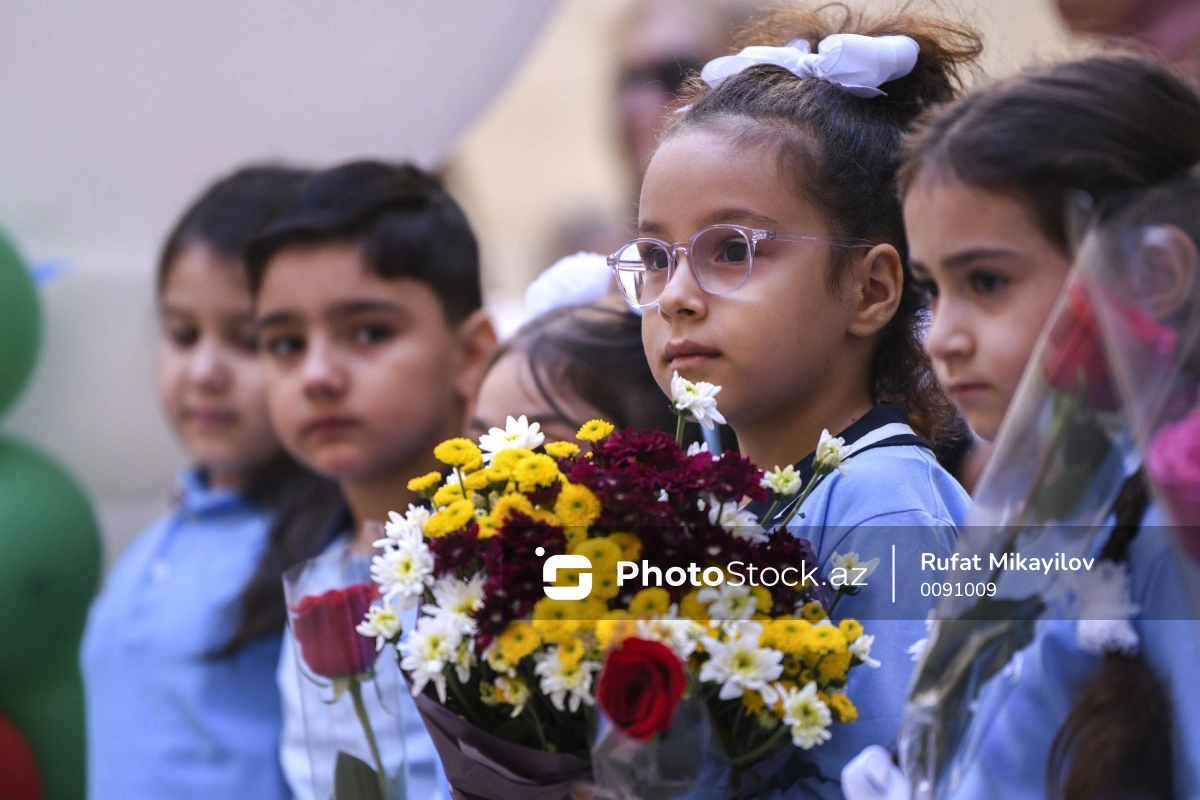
(1074, 360)
(323, 625)
(640, 687)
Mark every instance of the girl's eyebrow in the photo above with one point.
(351, 308)
(965, 258)
(723, 216)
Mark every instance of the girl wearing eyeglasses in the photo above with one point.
(771, 262)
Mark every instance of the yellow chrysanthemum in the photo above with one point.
(753, 702)
(613, 628)
(787, 634)
(561, 449)
(473, 465)
(592, 609)
(496, 474)
(535, 472)
(791, 666)
(448, 494)
(574, 536)
(476, 481)
(594, 430)
(651, 602)
(840, 705)
(851, 629)
(834, 666)
(545, 517)
(827, 639)
(488, 527)
(567, 577)
(576, 505)
(807, 676)
(487, 693)
(813, 611)
(692, 608)
(571, 653)
(604, 584)
(763, 596)
(503, 508)
(518, 640)
(630, 544)
(603, 553)
(505, 460)
(457, 452)
(426, 483)
(453, 517)
(556, 621)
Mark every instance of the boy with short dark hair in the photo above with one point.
(374, 342)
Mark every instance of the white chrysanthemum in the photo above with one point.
(400, 529)
(831, 451)
(740, 665)
(403, 571)
(1103, 605)
(516, 693)
(382, 622)
(783, 481)
(860, 648)
(850, 562)
(697, 399)
(517, 433)
(807, 716)
(679, 635)
(452, 595)
(427, 651)
(728, 602)
(696, 448)
(738, 521)
(568, 687)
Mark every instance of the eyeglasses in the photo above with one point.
(720, 257)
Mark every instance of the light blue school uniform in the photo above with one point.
(1045, 679)
(406, 739)
(163, 718)
(894, 494)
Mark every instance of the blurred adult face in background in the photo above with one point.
(1170, 26)
(659, 43)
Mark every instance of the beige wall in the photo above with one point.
(545, 149)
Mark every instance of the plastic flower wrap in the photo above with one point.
(537, 562)
(349, 692)
(1111, 388)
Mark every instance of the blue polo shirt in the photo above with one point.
(164, 719)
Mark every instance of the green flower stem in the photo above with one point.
(771, 511)
(764, 749)
(679, 429)
(360, 709)
(816, 478)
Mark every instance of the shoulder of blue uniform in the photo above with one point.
(883, 484)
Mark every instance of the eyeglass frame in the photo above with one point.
(753, 235)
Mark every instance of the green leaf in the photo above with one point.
(353, 779)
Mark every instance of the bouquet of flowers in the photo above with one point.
(536, 559)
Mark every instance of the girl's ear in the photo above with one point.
(877, 282)
(476, 342)
(1169, 260)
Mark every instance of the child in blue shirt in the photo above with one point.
(179, 652)
(771, 262)
(986, 183)
(374, 342)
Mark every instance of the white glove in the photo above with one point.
(871, 775)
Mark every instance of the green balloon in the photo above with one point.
(20, 323)
(50, 557)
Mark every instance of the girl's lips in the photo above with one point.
(961, 391)
(329, 427)
(690, 360)
(682, 354)
(210, 418)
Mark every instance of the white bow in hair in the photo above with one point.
(858, 64)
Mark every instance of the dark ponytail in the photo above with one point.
(1116, 741)
(224, 219)
(841, 153)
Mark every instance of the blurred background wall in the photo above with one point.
(116, 115)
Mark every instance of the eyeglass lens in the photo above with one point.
(720, 259)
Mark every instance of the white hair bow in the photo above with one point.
(858, 64)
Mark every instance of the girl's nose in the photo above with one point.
(949, 337)
(207, 366)
(682, 296)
